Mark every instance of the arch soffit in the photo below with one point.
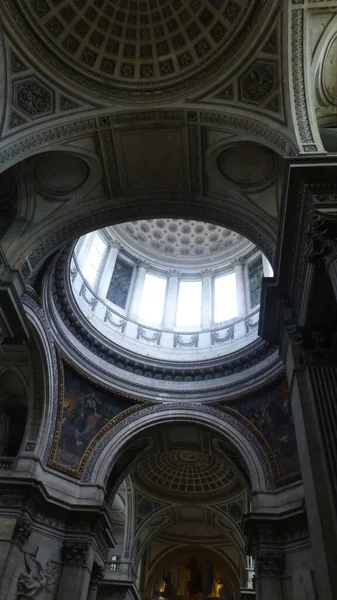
(257, 227)
(45, 368)
(67, 129)
(104, 456)
(150, 533)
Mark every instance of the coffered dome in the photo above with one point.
(183, 472)
(140, 46)
(172, 240)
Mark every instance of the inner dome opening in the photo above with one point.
(174, 289)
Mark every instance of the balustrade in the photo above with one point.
(6, 463)
(221, 338)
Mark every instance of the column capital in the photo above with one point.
(238, 262)
(207, 273)
(142, 264)
(174, 273)
(115, 244)
(75, 552)
(269, 564)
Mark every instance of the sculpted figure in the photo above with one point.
(36, 578)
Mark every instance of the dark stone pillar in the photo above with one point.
(313, 389)
(76, 572)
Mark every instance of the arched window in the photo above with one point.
(225, 298)
(189, 304)
(94, 259)
(153, 299)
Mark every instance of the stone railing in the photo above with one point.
(6, 463)
(223, 338)
(119, 571)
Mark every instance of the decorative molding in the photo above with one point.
(108, 319)
(301, 110)
(225, 415)
(155, 337)
(192, 342)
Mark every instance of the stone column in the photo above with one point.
(137, 290)
(206, 301)
(108, 269)
(269, 567)
(96, 578)
(241, 300)
(313, 400)
(171, 300)
(76, 572)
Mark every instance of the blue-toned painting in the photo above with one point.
(85, 410)
(270, 412)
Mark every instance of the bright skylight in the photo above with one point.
(225, 306)
(152, 301)
(94, 259)
(189, 304)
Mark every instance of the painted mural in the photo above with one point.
(270, 413)
(85, 410)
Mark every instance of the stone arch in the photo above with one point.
(262, 232)
(43, 404)
(260, 465)
(137, 551)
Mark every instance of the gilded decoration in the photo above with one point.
(85, 413)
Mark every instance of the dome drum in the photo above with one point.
(120, 296)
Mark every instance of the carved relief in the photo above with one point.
(33, 97)
(37, 577)
(260, 80)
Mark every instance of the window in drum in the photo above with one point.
(255, 274)
(189, 304)
(153, 299)
(94, 259)
(120, 283)
(225, 304)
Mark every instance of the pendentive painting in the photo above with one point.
(85, 410)
(270, 413)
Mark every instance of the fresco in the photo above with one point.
(85, 410)
(270, 412)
